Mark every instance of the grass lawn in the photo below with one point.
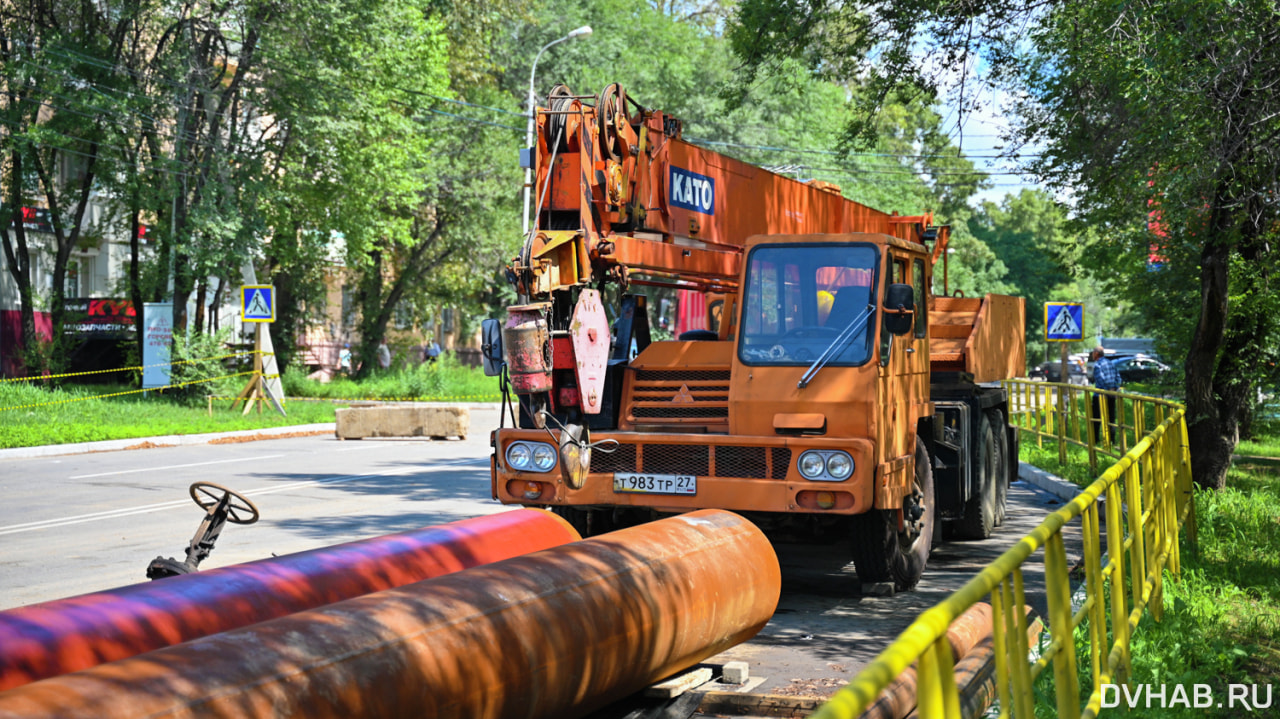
(32, 414)
(1260, 447)
(1222, 615)
(443, 380)
(128, 416)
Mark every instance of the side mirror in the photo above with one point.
(491, 347)
(899, 308)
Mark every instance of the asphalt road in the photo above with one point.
(81, 523)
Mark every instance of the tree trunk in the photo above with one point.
(288, 315)
(1210, 447)
(19, 260)
(135, 284)
(214, 305)
(372, 329)
(202, 287)
(66, 232)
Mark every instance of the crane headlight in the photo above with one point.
(811, 465)
(531, 456)
(826, 465)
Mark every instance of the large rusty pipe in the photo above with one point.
(971, 647)
(556, 633)
(66, 635)
(976, 673)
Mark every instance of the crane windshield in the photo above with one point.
(800, 297)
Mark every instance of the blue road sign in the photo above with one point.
(1063, 321)
(258, 303)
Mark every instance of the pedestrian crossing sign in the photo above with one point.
(258, 303)
(1063, 321)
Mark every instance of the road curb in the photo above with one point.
(1057, 486)
(172, 440)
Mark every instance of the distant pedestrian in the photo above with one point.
(1105, 377)
(344, 359)
(384, 355)
(431, 352)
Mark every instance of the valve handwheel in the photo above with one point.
(239, 509)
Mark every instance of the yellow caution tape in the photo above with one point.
(126, 369)
(484, 397)
(118, 394)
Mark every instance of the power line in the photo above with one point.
(805, 151)
(246, 101)
(469, 119)
(50, 145)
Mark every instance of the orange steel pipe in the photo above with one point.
(966, 632)
(976, 672)
(555, 633)
(67, 635)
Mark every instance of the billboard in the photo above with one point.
(99, 318)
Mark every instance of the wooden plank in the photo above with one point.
(763, 705)
(679, 684)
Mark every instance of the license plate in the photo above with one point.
(655, 483)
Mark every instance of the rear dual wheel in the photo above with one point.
(884, 550)
(986, 509)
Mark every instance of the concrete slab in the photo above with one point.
(402, 421)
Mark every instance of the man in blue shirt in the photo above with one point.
(1105, 376)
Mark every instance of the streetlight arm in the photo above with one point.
(532, 110)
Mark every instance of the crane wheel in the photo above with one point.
(882, 553)
(981, 512)
(1002, 467)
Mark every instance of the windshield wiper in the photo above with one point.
(836, 345)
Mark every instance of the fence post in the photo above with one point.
(1090, 436)
(1115, 550)
(1186, 490)
(1058, 584)
(1137, 555)
(1062, 429)
(1171, 494)
(936, 694)
(1041, 401)
(1020, 677)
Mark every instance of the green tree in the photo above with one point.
(1028, 233)
(1147, 107)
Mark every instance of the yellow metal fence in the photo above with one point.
(1148, 498)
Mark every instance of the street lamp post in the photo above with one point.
(583, 31)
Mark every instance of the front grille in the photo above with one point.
(677, 459)
(622, 459)
(781, 462)
(731, 461)
(682, 375)
(680, 412)
(748, 462)
(679, 396)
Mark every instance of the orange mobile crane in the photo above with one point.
(834, 391)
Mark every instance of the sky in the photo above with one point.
(978, 134)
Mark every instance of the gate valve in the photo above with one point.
(221, 505)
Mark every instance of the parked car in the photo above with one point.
(1052, 372)
(1140, 368)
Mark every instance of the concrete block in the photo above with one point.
(402, 421)
(735, 673)
(877, 589)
